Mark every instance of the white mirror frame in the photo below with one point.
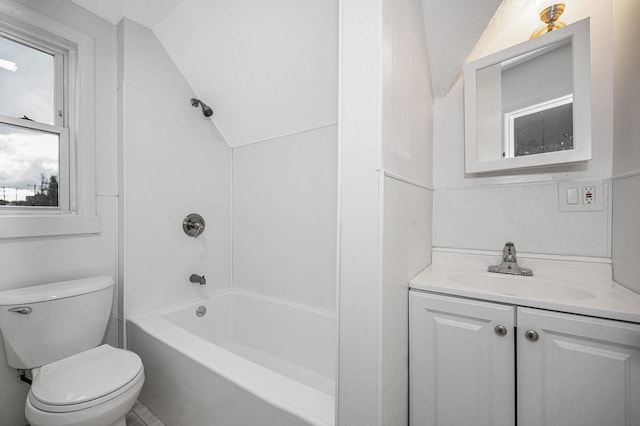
(579, 33)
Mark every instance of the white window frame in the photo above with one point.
(64, 61)
(76, 211)
(510, 119)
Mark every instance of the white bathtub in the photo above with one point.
(250, 360)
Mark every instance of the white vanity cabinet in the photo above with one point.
(580, 370)
(461, 369)
(474, 362)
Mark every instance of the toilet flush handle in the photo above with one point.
(21, 310)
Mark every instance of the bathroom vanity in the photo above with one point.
(553, 349)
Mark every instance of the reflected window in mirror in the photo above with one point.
(545, 127)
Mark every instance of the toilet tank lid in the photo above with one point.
(54, 291)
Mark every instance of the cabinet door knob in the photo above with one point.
(532, 335)
(501, 330)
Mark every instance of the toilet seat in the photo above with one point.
(85, 380)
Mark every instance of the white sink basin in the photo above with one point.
(519, 286)
(582, 288)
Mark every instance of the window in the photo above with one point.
(34, 130)
(47, 126)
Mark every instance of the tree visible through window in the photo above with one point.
(32, 125)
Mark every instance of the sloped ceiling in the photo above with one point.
(452, 29)
(268, 68)
(145, 12)
(267, 73)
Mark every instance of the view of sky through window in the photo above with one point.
(25, 157)
(28, 158)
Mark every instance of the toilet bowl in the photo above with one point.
(54, 331)
(96, 387)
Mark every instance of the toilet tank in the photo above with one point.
(44, 323)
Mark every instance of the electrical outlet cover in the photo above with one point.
(588, 194)
(591, 196)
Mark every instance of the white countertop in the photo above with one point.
(587, 295)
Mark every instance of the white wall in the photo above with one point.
(173, 162)
(35, 261)
(626, 144)
(407, 141)
(285, 217)
(485, 211)
(407, 250)
(407, 105)
(525, 213)
(360, 222)
(385, 202)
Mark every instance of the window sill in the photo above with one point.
(47, 225)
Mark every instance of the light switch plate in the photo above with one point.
(572, 196)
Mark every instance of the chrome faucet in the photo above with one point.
(198, 279)
(509, 263)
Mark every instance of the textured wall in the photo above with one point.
(407, 251)
(385, 206)
(626, 145)
(407, 142)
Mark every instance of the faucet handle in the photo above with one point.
(193, 225)
(509, 252)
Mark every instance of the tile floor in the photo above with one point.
(142, 416)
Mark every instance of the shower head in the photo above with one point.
(206, 110)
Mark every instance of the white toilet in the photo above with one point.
(54, 330)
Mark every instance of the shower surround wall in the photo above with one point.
(32, 261)
(172, 162)
(269, 70)
(484, 211)
(285, 217)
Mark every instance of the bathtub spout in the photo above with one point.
(195, 278)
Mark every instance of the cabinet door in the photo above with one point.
(580, 371)
(461, 370)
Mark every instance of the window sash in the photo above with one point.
(64, 166)
(60, 62)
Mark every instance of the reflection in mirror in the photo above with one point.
(530, 116)
(537, 98)
(520, 103)
(545, 127)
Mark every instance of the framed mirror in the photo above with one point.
(530, 105)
